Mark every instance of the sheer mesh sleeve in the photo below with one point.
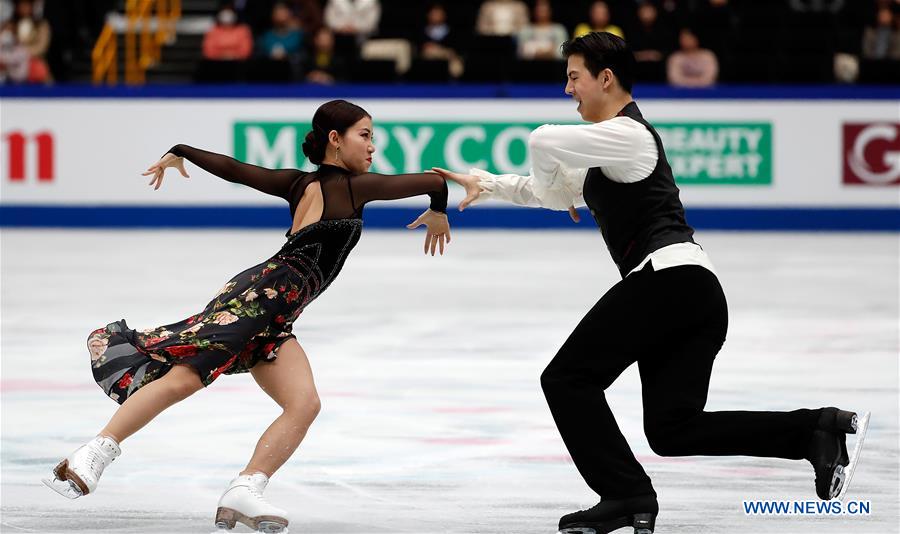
(371, 186)
(273, 182)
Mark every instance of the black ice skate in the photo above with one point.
(828, 451)
(610, 514)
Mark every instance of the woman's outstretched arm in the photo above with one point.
(273, 182)
(370, 186)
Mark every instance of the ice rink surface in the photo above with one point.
(433, 418)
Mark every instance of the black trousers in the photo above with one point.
(671, 322)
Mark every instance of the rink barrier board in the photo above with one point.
(237, 217)
(49, 194)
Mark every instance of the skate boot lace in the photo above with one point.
(256, 492)
(96, 456)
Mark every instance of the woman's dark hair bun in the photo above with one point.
(313, 148)
(336, 115)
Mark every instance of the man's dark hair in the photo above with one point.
(603, 50)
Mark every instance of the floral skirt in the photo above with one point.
(244, 324)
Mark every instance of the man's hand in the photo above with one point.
(469, 183)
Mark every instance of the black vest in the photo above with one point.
(641, 217)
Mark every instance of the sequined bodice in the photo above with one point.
(318, 251)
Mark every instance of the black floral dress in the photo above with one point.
(252, 315)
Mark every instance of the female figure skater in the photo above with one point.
(247, 325)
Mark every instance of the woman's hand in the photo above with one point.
(159, 168)
(438, 230)
(468, 181)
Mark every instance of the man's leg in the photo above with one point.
(675, 379)
(603, 345)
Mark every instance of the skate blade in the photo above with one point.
(267, 528)
(861, 428)
(589, 530)
(227, 519)
(66, 488)
(224, 530)
(270, 527)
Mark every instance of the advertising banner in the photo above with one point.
(719, 153)
(742, 154)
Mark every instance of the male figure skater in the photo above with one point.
(668, 313)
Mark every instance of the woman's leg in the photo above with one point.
(150, 400)
(289, 381)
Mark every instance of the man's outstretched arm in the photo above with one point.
(560, 156)
(558, 191)
(530, 191)
(551, 184)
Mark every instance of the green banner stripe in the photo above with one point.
(700, 153)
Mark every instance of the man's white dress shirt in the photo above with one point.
(561, 155)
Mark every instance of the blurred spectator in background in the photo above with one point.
(678, 13)
(325, 67)
(258, 13)
(309, 14)
(33, 33)
(651, 40)
(692, 66)
(358, 18)
(37, 7)
(284, 39)
(438, 39)
(600, 21)
(6, 10)
(882, 41)
(542, 38)
(502, 17)
(14, 58)
(228, 40)
(717, 28)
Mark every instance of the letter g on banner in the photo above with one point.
(872, 154)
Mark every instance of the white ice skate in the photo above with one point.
(78, 473)
(243, 502)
